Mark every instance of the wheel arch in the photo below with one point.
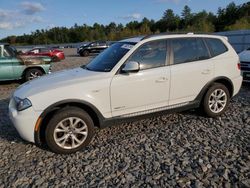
(42, 122)
(33, 67)
(222, 80)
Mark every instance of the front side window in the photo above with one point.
(93, 44)
(8, 52)
(188, 50)
(216, 46)
(35, 51)
(43, 50)
(151, 55)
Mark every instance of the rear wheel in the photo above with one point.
(70, 130)
(85, 53)
(216, 100)
(32, 73)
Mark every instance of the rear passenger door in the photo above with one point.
(191, 69)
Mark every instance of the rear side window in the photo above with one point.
(151, 55)
(188, 50)
(216, 46)
(102, 43)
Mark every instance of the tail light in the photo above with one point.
(238, 66)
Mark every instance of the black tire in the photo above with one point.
(55, 59)
(32, 73)
(207, 99)
(60, 116)
(84, 53)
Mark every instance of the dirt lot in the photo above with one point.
(175, 150)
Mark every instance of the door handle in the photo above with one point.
(206, 71)
(161, 79)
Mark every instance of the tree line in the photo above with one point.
(232, 17)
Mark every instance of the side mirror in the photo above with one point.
(131, 66)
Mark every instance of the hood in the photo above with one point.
(34, 60)
(57, 80)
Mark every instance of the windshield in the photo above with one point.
(106, 60)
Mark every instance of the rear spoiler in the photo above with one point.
(226, 38)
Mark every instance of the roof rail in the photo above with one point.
(162, 34)
(173, 33)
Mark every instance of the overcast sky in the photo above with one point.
(18, 17)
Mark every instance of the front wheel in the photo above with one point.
(70, 130)
(216, 100)
(33, 73)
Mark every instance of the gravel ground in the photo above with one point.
(174, 150)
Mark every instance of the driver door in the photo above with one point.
(6, 67)
(148, 88)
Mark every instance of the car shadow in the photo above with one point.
(11, 82)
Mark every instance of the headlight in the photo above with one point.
(22, 104)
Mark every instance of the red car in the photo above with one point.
(55, 54)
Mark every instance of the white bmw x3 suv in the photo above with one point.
(133, 77)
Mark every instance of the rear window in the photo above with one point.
(216, 46)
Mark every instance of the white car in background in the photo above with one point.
(245, 64)
(133, 77)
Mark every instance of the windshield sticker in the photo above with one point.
(127, 46)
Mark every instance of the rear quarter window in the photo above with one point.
(216, 46)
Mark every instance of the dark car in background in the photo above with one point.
(92, 48)
(245, 64)
(55, 54)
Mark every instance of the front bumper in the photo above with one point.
(24, 121)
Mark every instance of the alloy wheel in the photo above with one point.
(217, 100)
(70, 133)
